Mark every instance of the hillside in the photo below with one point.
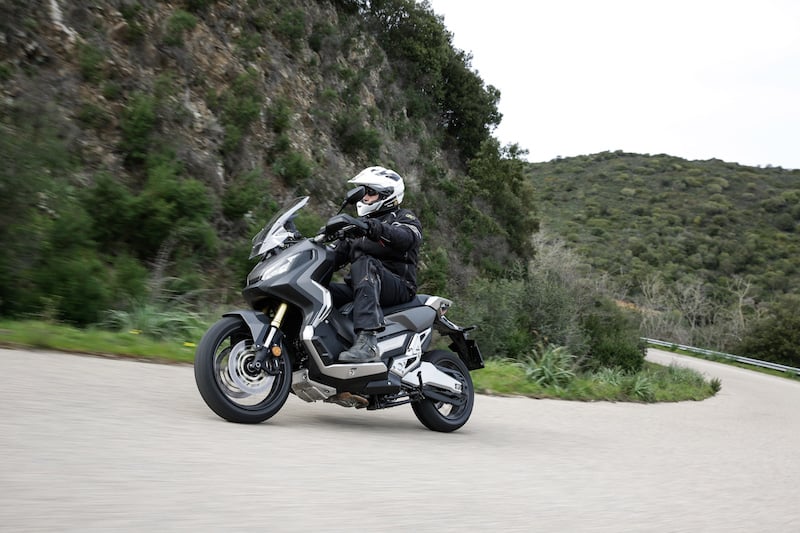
(635, 216)
(143, 142)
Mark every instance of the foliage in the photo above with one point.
(613, 337)
(169, 207)
(177, 24)
(669, 226)
(241, 194)
(291, 27)
(776, 336)
(91, 60)
(697, 244)
(500, 178)
(239, 107)
(549, 366)
(94, 340)
(355, 138)
(420, 46)
(554, 302)
(137, 125)
(292, 167)
(279, 114)
(156, 321)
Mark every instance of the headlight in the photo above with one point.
(270, 269)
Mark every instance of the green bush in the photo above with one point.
(91, 62)
(614, 338)
(356, 139)
(242, 194)
(292, 168)
(75, 286)
(137, 123)
(776, 337)
(279, 114)
(433, 272)
(170, 207)
(240, 106)
(177, 24)
(291, 27)
(549, 366)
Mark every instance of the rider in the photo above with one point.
(383, 263)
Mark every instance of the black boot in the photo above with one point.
(364, 350)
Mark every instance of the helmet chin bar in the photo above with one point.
(375, 208)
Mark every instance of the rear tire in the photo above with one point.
(440, 416)
(245, 397)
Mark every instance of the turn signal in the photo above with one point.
(276, 351)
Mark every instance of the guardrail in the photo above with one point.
(737, 358)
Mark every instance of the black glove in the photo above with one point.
(374, 229)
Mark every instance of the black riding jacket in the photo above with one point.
(397, 246)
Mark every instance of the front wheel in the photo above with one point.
(442, 416)
(228, 383)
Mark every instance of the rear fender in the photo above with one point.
(467, 349)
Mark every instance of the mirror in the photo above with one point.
(352, 197)
(355, 195)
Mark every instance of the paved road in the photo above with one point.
(96, 444)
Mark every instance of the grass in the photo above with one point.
(655, 383)
(60, 337)
(500, 377)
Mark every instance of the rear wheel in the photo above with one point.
(443, 416)
(227, 381)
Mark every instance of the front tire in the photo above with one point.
(441, 416)
(225, 382)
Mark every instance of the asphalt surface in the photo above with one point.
(99, 444)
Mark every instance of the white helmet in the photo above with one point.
(387, 183)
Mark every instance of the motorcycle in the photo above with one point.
(248, 363)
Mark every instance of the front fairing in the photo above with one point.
(278, 230)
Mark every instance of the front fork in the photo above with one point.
(271, 346)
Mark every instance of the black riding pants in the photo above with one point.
(369, 286)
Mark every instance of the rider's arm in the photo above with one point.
(403, 233)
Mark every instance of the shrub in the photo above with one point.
(614, 338)
(776, 337)
(241, 105)
(549, 366)
(433, 273)
(178, 23)
(280, 115)
(291, 27)
(76, 286)
(639, 386)
(137, 124)
(354, 138)
(159, 321)
(90, 62)
(242, 194)
(292, 168)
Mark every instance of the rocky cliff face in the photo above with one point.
(233, 86)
